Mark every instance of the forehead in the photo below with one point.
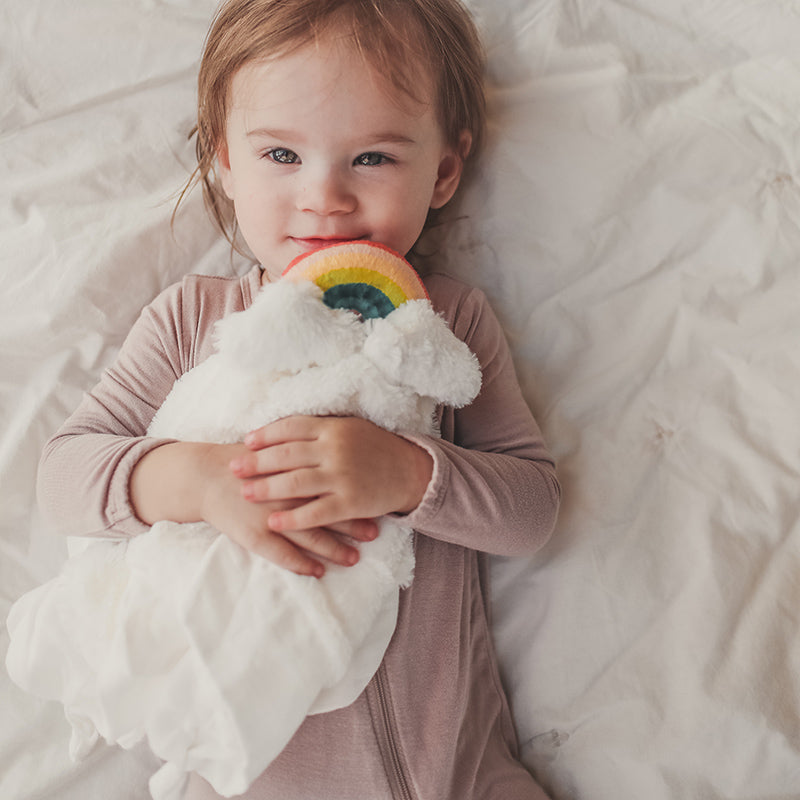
(328, 73)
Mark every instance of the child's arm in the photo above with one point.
(494, 486)
(101, 475)
(489, 484)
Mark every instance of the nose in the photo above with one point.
(325, 191)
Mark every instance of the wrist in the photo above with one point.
(212, 477)
(175, 481)
(420, 472)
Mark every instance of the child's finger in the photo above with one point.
(362, 530)
(288, 429)
(324, 544)
(297, 484)
(300, 550)
(320, 512)
(283, 553)
(271, 459)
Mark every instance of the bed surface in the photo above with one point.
(636, 224)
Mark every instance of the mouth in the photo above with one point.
(316, 242)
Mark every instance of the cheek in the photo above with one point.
(410, 197)
(253, 218)
(424, 188)
(256, 200)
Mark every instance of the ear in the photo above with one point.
(224, 169)
(451, 168)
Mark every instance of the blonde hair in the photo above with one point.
(394, 36)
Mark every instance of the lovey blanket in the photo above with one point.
(182, 638)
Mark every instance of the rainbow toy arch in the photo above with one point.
(365, 277)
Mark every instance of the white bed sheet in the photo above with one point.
(636, 222)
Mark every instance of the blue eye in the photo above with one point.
(280, 155)
(371, 160)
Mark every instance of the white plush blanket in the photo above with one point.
(636, 223)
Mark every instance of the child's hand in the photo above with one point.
(189, 482)
(331, 469)
(301, 550)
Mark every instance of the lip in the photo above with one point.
(317, 242)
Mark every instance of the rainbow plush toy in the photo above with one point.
(169, 637)
(364, 277)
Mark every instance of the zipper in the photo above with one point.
(393, 762)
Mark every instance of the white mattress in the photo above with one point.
(636, 222)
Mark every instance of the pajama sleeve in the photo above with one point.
(85, 469)
(494, 486)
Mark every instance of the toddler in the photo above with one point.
(322, 121)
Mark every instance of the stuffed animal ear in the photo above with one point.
(287, 329)
(414, 347)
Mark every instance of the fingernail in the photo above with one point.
(236, 465)
(250, 439)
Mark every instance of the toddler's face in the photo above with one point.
(321, 149)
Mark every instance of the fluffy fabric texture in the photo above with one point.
(182, 638)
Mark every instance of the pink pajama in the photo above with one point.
(434, 723)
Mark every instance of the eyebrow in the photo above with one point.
(378, 138)
(266, 133)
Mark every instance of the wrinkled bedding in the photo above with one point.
(636, 223)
